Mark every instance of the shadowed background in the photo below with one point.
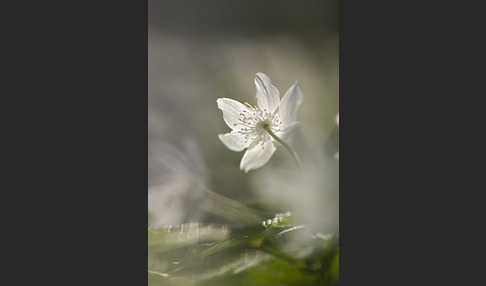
(202, 50)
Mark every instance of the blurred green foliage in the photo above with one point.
(196, 254)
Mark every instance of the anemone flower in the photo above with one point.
(255, 128)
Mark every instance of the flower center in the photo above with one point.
(254, 124)
(265, 125)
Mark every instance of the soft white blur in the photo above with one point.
(187, 74)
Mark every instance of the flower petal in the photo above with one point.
(234, 141)
(268, 96)
(231, 111)
(257, 156)
(284, 134)
(290, 105)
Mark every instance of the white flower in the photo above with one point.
(248, 123)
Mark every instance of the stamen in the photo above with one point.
(247, 104)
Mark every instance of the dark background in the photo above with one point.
(305, 19)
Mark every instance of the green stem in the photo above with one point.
(285, 145)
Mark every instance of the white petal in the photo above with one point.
(234, 141)
(284, 134)
(268, 96)
(290, 105)
(231, 111)
(257, 156)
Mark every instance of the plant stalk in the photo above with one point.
(294, 154)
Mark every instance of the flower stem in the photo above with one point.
(294, 155)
